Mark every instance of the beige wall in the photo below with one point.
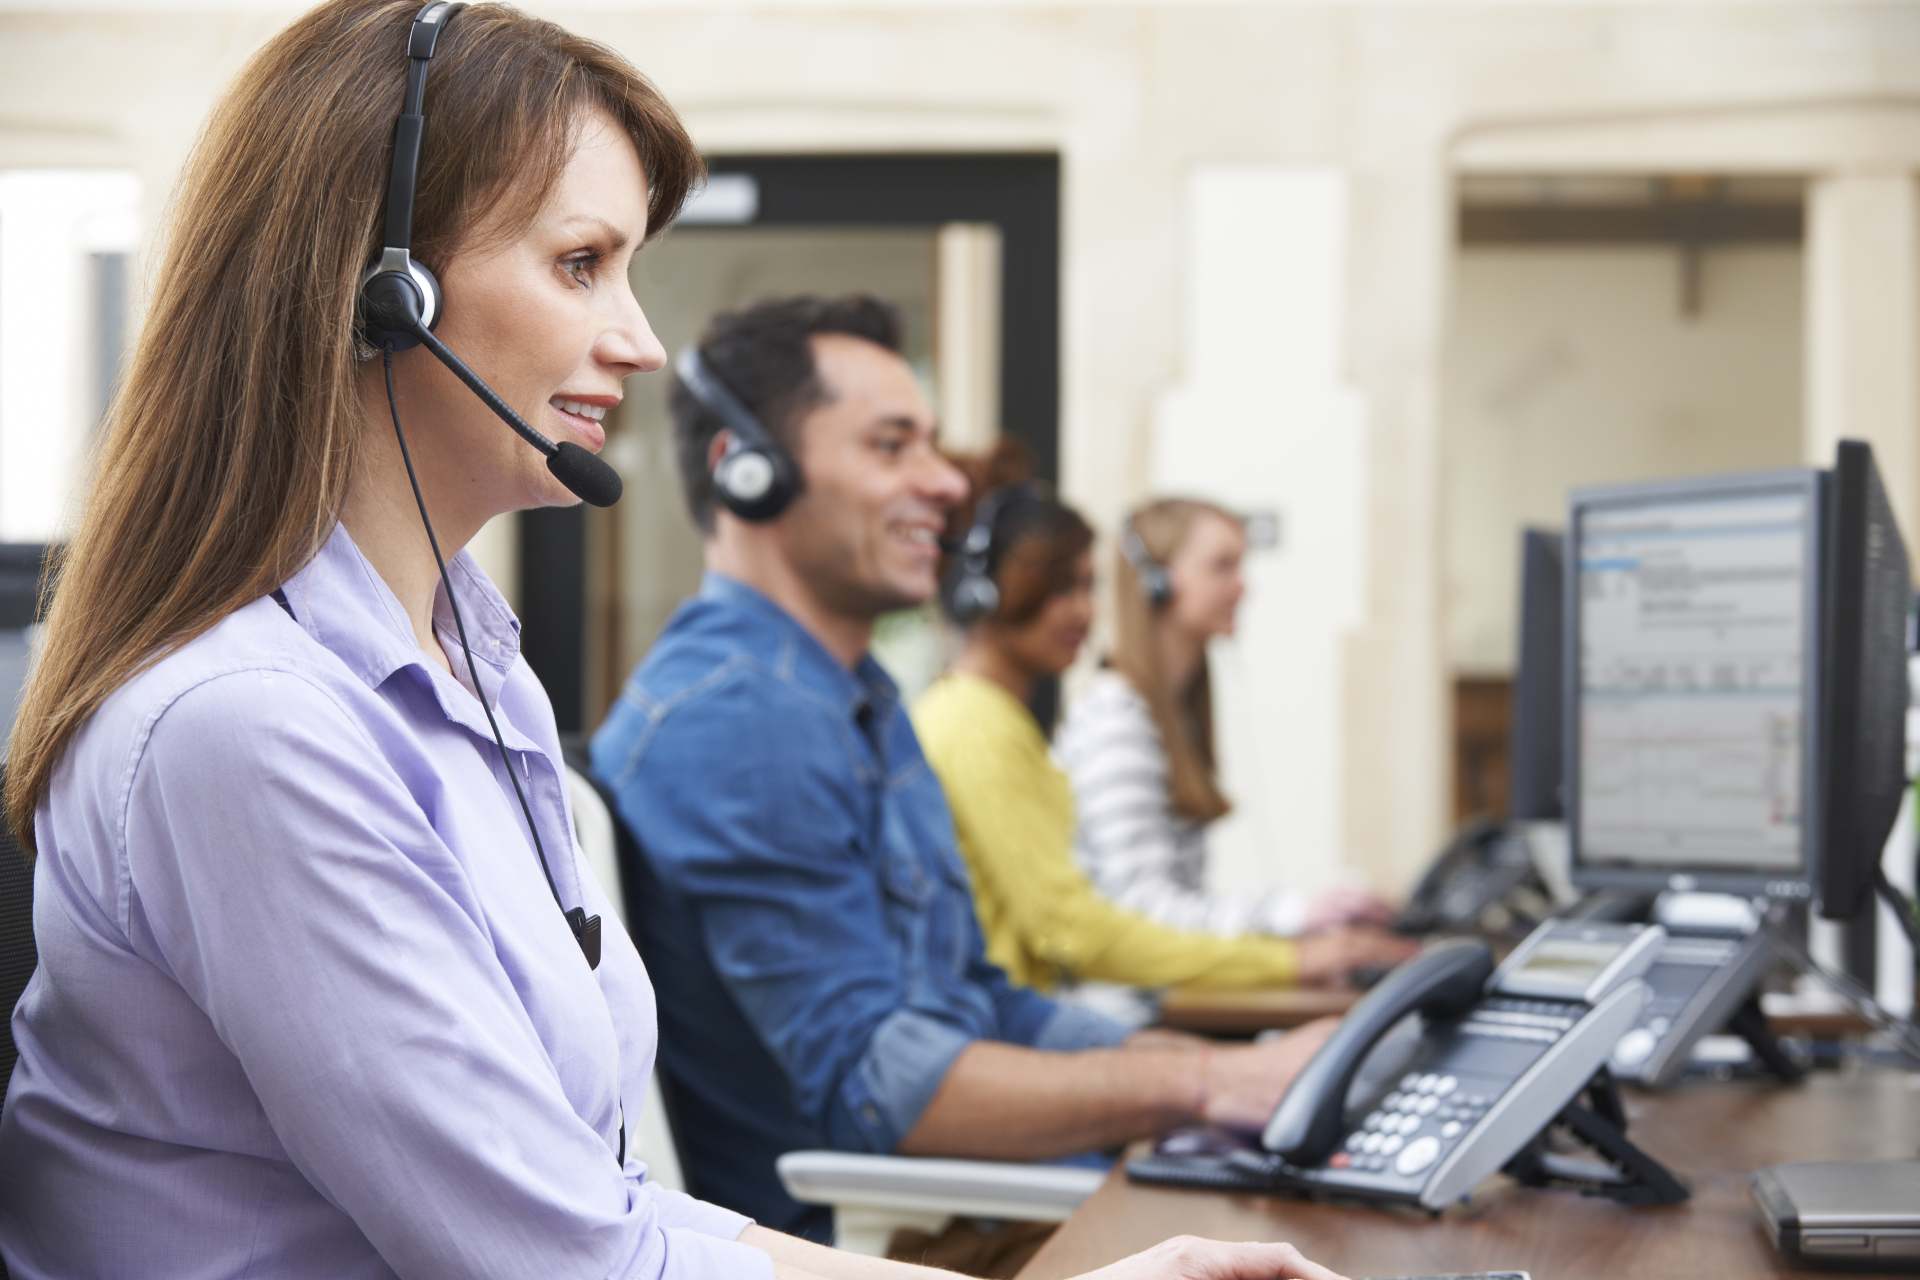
(1569, 367)
(1135, 97)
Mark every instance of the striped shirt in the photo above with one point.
(1132, 845)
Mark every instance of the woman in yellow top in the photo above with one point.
(1022, 586)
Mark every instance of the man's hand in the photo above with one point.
(1188, 1258)
(1326, 959)
(1244, 1084)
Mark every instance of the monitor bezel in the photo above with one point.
(1787, 884)
(1844, 886)
(1526, 776)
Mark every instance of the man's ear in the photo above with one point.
(717, 448)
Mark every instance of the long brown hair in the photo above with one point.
(227, 453)
(1183, 716)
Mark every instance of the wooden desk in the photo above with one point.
(1713, 1135)
(1247, 1013)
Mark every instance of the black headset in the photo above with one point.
(755, 478)
(974, 595)
(1155, 581)
(400, 301)
(398, 296)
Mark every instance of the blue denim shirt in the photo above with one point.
(801, 902)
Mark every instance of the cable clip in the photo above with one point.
(586, 932)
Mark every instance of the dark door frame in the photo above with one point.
(1017, 192)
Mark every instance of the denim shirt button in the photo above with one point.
(870, 1113)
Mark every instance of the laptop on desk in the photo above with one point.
(1858, 1215)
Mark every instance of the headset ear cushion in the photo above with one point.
(392, 303)
(975, 597)
(755, 483)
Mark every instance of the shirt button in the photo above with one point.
(870, 1113)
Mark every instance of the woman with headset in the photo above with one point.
(321, 987)
(1022, 587)
(1138, 743)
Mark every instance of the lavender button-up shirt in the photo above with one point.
(305, 1006)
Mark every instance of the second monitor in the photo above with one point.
(1693, 660)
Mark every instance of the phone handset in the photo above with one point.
(1444, 981)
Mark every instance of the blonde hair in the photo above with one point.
(1184, 716)
(226, 454)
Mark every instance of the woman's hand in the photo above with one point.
(1330, 959)
(1190, 1258)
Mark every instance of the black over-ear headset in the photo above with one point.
(1155, 581)
(755, 478)
(400, 301)
(975, 595)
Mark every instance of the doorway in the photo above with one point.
(967, 244)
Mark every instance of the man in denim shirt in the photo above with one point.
(802, 904)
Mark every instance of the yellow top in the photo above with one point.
(1043, 919)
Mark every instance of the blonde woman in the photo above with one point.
(319, 993)
(1138, 743)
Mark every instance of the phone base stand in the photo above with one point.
(1750, 1024)
(1622, 1173)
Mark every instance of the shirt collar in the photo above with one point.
(796, 654)
(340, 600)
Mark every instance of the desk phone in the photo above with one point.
(1701, 983)
(1449, 1071)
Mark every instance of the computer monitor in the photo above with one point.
(1537, 793)
(1694, 652)
(1863, 722)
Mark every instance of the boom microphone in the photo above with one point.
(585, 476)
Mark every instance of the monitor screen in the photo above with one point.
(1695, 643)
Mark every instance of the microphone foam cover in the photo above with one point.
(586, 476)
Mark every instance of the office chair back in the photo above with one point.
(18, 957)
(650, 1133)
(17, 954)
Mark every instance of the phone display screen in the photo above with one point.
(1570, 964)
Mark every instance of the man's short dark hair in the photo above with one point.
(764, 355)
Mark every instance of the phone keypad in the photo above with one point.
(1412, 1125)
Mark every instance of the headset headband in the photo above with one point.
(1134, 548)
(978, 544)
(706, 386)
(1155, 580)
(408, 130)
